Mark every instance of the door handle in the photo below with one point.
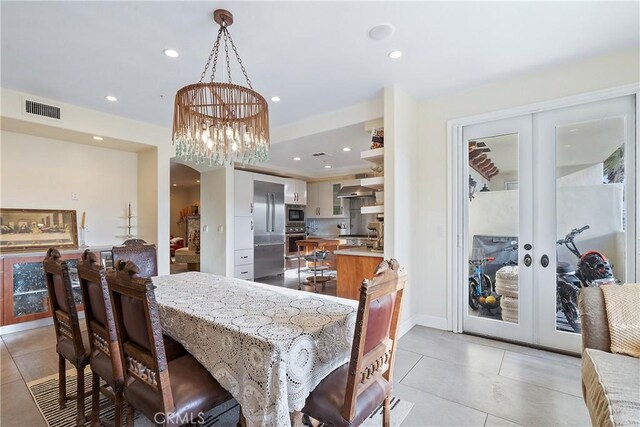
(544, 261)
(527, 260)
(252, 225)
(251, 207)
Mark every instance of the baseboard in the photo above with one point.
(431, 321)
(25, 326)
(406, 326)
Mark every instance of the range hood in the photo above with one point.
(353, 191)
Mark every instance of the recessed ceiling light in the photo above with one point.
(171, 53)
(573, 130)
(175, 185)
(346, 149)
(296, 158)
(111, 98)
(382, 31)
(275, 98)
(198, 181)
(98, 138)
(327, 166)
(567, 145)
(395, 54)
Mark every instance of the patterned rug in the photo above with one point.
(45, 394)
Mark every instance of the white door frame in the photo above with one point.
(456, 194)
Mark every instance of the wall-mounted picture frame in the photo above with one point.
(35, 230)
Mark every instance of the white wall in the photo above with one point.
(216, 189)
(41, 173)
(400, 207)
(431, 190)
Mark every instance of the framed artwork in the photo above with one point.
(23, 230)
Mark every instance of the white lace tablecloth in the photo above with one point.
(268, 346)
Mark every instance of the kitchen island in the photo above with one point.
(353, 266)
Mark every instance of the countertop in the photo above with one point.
(360, 252)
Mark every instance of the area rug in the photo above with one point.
(45, 394)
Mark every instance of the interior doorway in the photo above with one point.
(549, 206)
(184, 218)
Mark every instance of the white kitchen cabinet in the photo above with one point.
(244, 272)
(295, 192)
(243, 232)
(243, 193)
(322, 201)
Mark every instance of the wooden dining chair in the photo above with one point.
(348, 395)
(106, 363)
(167, 392)
(141, 253)
(69, 343)
(103, 342)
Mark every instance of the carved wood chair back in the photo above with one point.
(98, 310)
(374, 341)
(138, 251)
(63, 308)
(139, 331)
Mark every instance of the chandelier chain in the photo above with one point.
(244, 71)
(226, 54)
(213, 55)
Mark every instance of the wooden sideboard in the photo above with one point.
(23, 288)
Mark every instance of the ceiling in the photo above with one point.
(281, 156)
(316, 56)
(586, 143)
(183, 176)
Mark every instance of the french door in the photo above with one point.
(567, 174)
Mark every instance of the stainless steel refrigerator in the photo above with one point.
(268, 231)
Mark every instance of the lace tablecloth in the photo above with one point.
(268, 346)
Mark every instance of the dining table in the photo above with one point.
(269, 346)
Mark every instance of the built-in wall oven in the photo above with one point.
(292, 235)
(295, 216)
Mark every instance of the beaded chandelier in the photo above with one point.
(221, 122)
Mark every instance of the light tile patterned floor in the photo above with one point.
(453, 379)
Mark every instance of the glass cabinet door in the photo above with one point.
(337, 203)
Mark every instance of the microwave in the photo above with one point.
(295, 215)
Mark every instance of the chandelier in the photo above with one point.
(221, 122)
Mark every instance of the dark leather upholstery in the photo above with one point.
(133, 318)
(380, 312)
(96, 302)
(192, 386)
(67, 349)
(326, 400)
(101, 364)
(58, 288)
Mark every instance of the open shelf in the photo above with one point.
(375, 209)
(376, 182)
(374, 156)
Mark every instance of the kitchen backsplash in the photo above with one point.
(326, 226)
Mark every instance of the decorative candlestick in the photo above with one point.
(83, 230)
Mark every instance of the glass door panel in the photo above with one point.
(587, 193)
(498, 226)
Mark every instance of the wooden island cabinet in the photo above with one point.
(353, 266)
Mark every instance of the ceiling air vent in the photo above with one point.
(319, 154)
(40, 109)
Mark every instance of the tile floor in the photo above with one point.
(453, 379)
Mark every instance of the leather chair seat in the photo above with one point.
(326, 400)
(67, 349)
(193, 388)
